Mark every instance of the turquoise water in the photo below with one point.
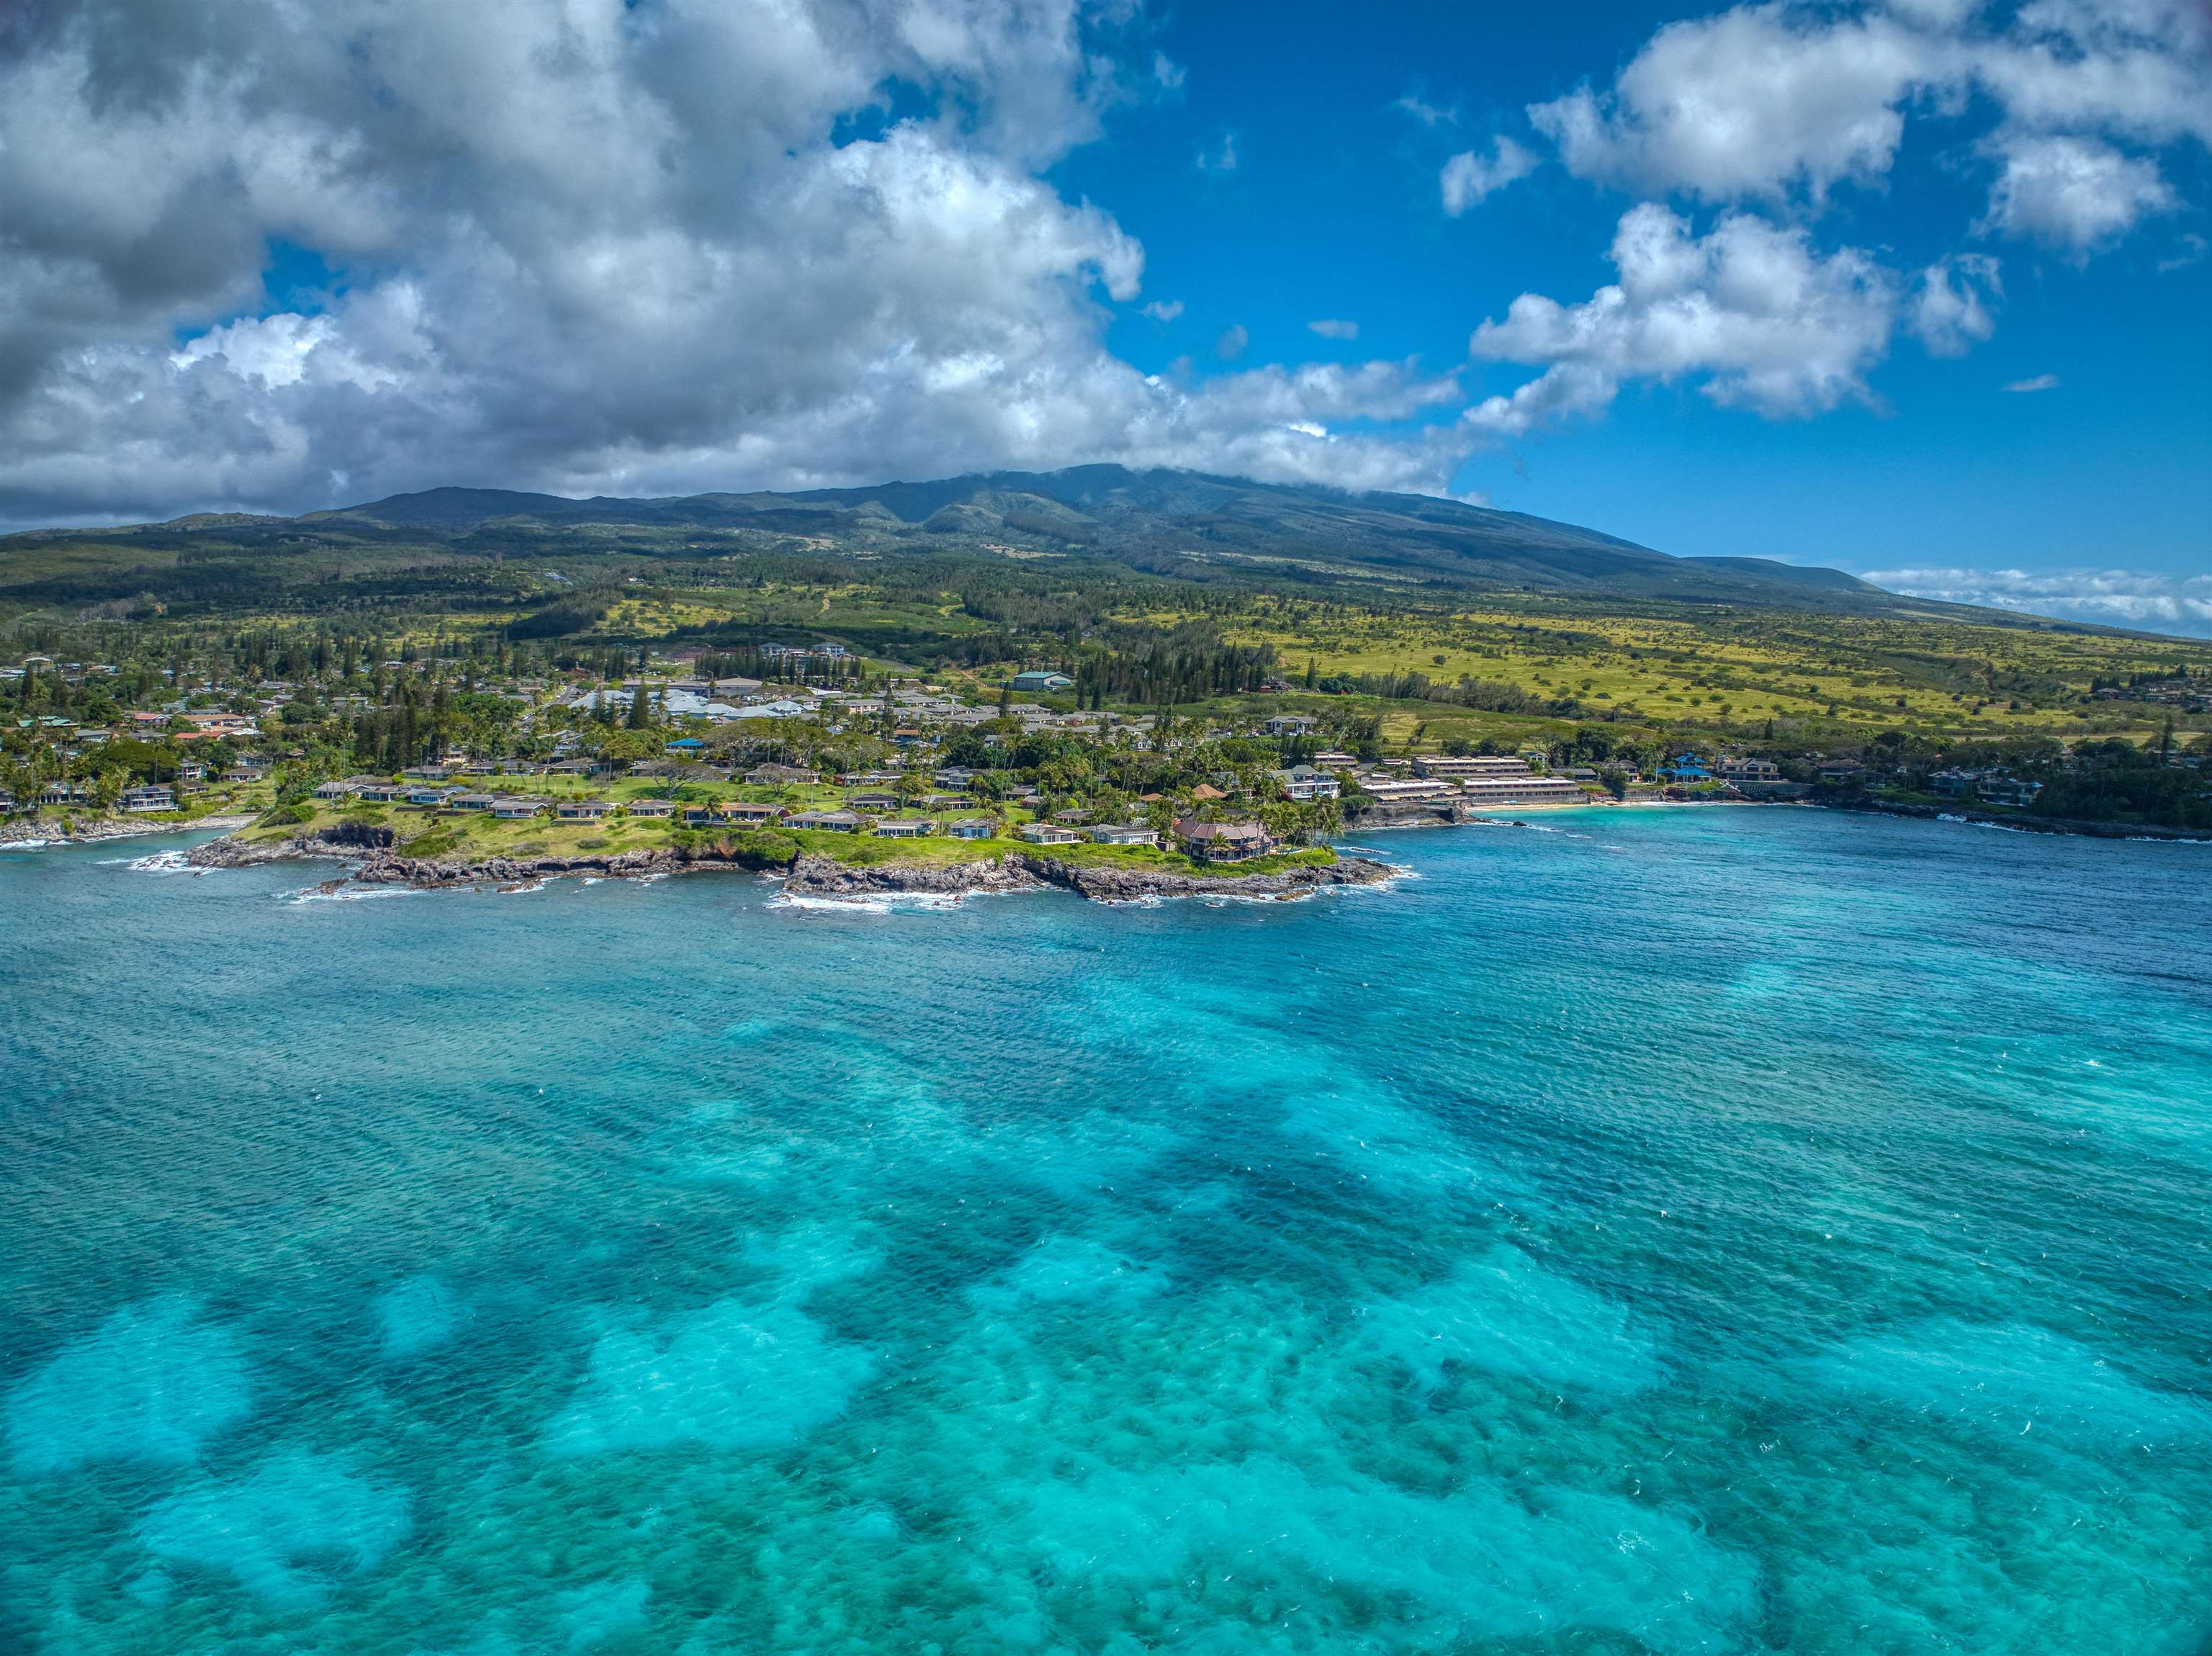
(1725, 1231)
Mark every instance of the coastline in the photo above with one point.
(28, 833)
(807, 875)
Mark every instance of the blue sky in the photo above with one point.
(1749, 280)
(1333, 210)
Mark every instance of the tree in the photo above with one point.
(640, 708)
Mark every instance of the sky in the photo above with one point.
(1912, 287)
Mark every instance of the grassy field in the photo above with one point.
(477, 835)
(1730, 668)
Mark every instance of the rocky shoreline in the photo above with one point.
(376, 862)
(35, 831)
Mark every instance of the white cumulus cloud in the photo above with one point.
(1330, 327)
(586, 247)
(2077, 194)
(1750, 311)
(1470, 177)
(1951, 308)
(1786, 99)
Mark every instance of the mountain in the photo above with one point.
(1176, 523)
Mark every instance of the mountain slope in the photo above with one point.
(1165, 522)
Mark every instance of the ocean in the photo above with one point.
(1647, 1231)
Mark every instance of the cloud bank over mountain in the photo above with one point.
(278, 254)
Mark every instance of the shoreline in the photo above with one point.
(30, 833)
(808, 875)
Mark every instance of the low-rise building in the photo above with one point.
(1523, 791)
(835, 821)
(1390, 792)
(509, 808)
(1471, 764)
(1222, 842)
(158, 797)
(1291, 724)
(1123, 833)
(905, 828)
(1749, 770)
(746, 810)
(1047, 833)
(1305, 783)
(581, 810)
(2007, 791)
(1040, 682)
(970, 828)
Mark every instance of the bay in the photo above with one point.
(1669, 1231)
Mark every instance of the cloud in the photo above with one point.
(1233, 338)
(1334, 328)
(1469, 178)
(1768, 101)
(1222, 158)
(2041, 382)
(1166, 71)
(1752, 102)
(2077, 194)
(1426, 114)
(1950, 312)
(1749, 311)
(586, 249)
(2111, 598)
(1164, 310)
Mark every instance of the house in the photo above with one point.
(954, 776)
(1686, 767)
(1204, 792)
(699, 815)
(1290, 725)
(1335, 761)
(1840, 770)
(2007, 791)
(246, 772)
(1305, 783)
(1749, 770)
(1074, 816)
(652, 807)
(970, 828)
(1222, 842)
(379, 793)
(64, 792)
(1048, 833)
(1955, 784)
(834, 822)
(908, 828)
(874, 801)
(511, 810)
(581, 810)
(687, 747)
(1123, 833)
(1040, 682)
(329, 791)
(470, 802)
(425, 796)
(156, 798)
(746, 810)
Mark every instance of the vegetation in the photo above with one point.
(375, 640)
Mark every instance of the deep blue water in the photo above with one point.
(1740, 1231)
